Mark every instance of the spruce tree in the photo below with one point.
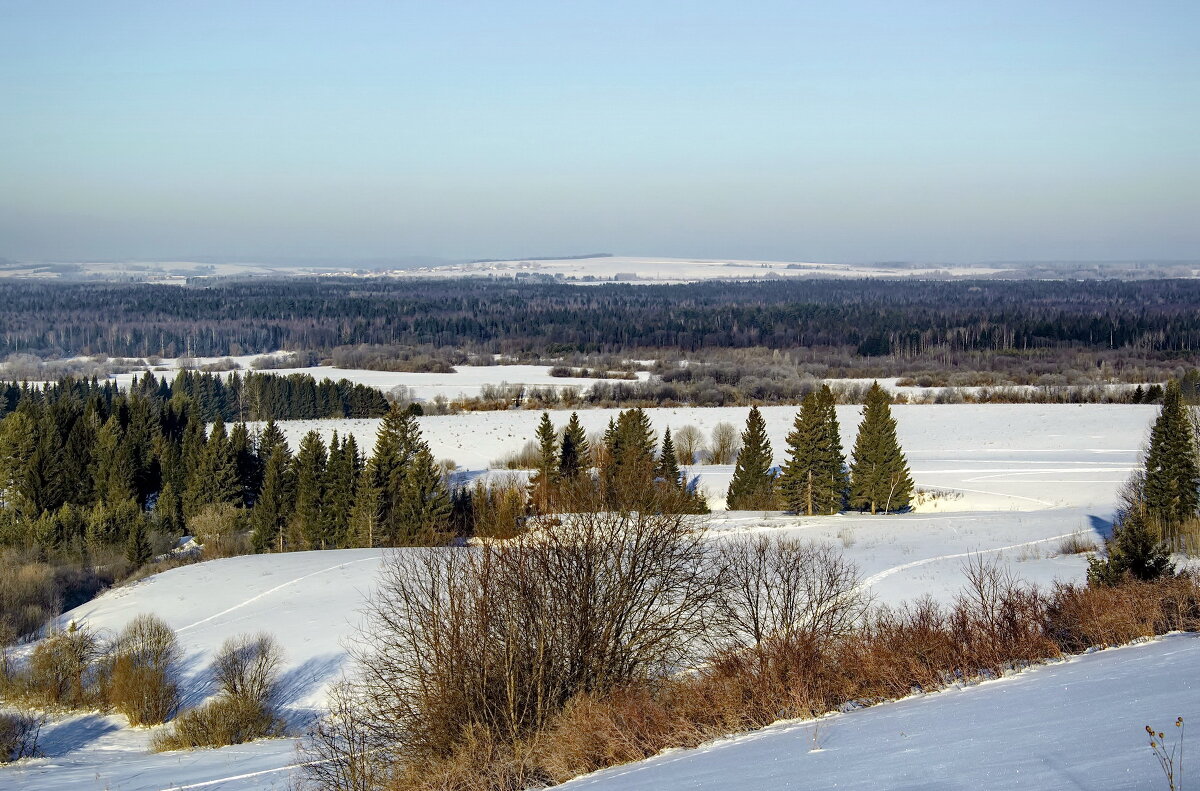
(813, 479)
(668, 463)
(309, 476)
(340, 485)
(421, 513)
(1134, 551)
(631, 464)
(1172, 477)
(274, 507)
(879, 479)
(246, 464)
(573, 453)
(543, 482)
(753, 487)
(137, 547)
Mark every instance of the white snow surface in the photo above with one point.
(1023, 477)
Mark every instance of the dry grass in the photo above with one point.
(1078, 544)
(19, 736)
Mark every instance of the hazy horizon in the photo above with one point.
(1065, 131)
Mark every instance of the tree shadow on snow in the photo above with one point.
(302, 681)
(67, 736)
(1101, 525)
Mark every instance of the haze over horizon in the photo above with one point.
(761, 130)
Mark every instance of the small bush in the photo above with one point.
(141, 668)
(247, 671)
(1077, 544)
(62, 667)
(222, 721)
(19, 736)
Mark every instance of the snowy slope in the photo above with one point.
(1074, 724)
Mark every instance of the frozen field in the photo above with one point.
(1021, 478)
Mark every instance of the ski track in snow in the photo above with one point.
(266, 593)
(882, 575)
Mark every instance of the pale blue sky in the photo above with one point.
(843, 131)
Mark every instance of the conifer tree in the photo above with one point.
(274, 507)
(422, 512)
(1172, 479)
(573, 454)
(168, 509)
(668, 462)
(214, 479)
(341, 478)
(137, 547)
(813, 479)
(114, 473)
(631, 463)
(879, 479)
(309, 476)
(245, 463)
(1134, 551)
(544, 481)
(753, 486)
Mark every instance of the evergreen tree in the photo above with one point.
(753, 486)
(309, 475)
(422, 512)
(245, 464)
(395, 445)
(114, 464)
(341, 478)
(1172, 477)
(573, 454)
(879, 479)
(813, 479)
(274, 506)
(168, 509)
(269, 438)
(544, 481)
(631, 463)
(215, 478)
(137, 547)
(1134, 551)
(668, 463)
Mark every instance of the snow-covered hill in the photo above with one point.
(1021, 478)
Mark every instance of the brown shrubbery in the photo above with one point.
(532, 661)
(141, 670)
(247, 672)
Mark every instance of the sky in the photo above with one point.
(804, 131)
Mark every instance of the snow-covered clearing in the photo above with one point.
(1023, 476)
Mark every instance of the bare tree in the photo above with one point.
(783, 588)
(689, 444)
(725, 445)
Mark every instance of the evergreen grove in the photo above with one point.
(815, 478)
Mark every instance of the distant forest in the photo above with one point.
(870, 318)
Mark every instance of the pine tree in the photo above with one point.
(668, 463)
(879, 479)
(573, 453)
(309, 476)
(813, 479)
(137, 547)
(1172, 477)
(753, 486)
(1135, 550)
(544, 481)
(274, 507)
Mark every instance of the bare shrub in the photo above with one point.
(141, 671)
(726, 444)
(19, 736)
(219, 528)
(527, 458)
(341, 752)
(222, 721)
(491, 642)
(999, 618)
(248, 667)
(29, 596)
(247, 671)
(1077, 544)
(61, 668)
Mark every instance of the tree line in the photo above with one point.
(873, 318)
(250, 396)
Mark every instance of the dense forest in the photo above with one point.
(254, 396)
(873, 318)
